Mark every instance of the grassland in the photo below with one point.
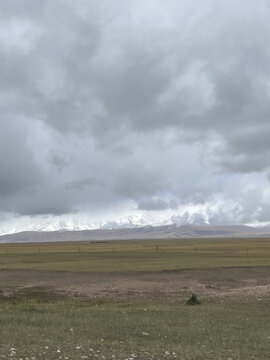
(128, 256)
(135, 304)
(68, 328)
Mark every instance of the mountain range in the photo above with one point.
(140, 232)
(75, 225)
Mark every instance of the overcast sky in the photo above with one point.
(153, 108)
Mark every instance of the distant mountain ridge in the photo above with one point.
(140, 232)
(73, 225)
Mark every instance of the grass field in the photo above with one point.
(80, 329)
(232, 322)
(136, 255)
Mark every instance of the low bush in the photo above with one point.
(193, 300)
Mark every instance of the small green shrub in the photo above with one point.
(193, 300)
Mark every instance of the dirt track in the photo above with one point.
(208, 283)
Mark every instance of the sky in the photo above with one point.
(144, 111)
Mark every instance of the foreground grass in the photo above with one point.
(41, 325)
(137, 255)
(37, 324)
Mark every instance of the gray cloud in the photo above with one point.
(165, 104)
(82, 183)
(19, 170)
(136, 182)
(157, 204)
(59, 161)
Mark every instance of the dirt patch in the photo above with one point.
(221, 282)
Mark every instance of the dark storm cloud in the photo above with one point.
(133, 96)
(19, 170)
(42, 201)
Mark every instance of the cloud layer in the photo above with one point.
(135, 107)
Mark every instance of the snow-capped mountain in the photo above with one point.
(129, 221)
(132, 221)
(58, 226)
(139, 232)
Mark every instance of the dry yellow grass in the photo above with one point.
(150, 255)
